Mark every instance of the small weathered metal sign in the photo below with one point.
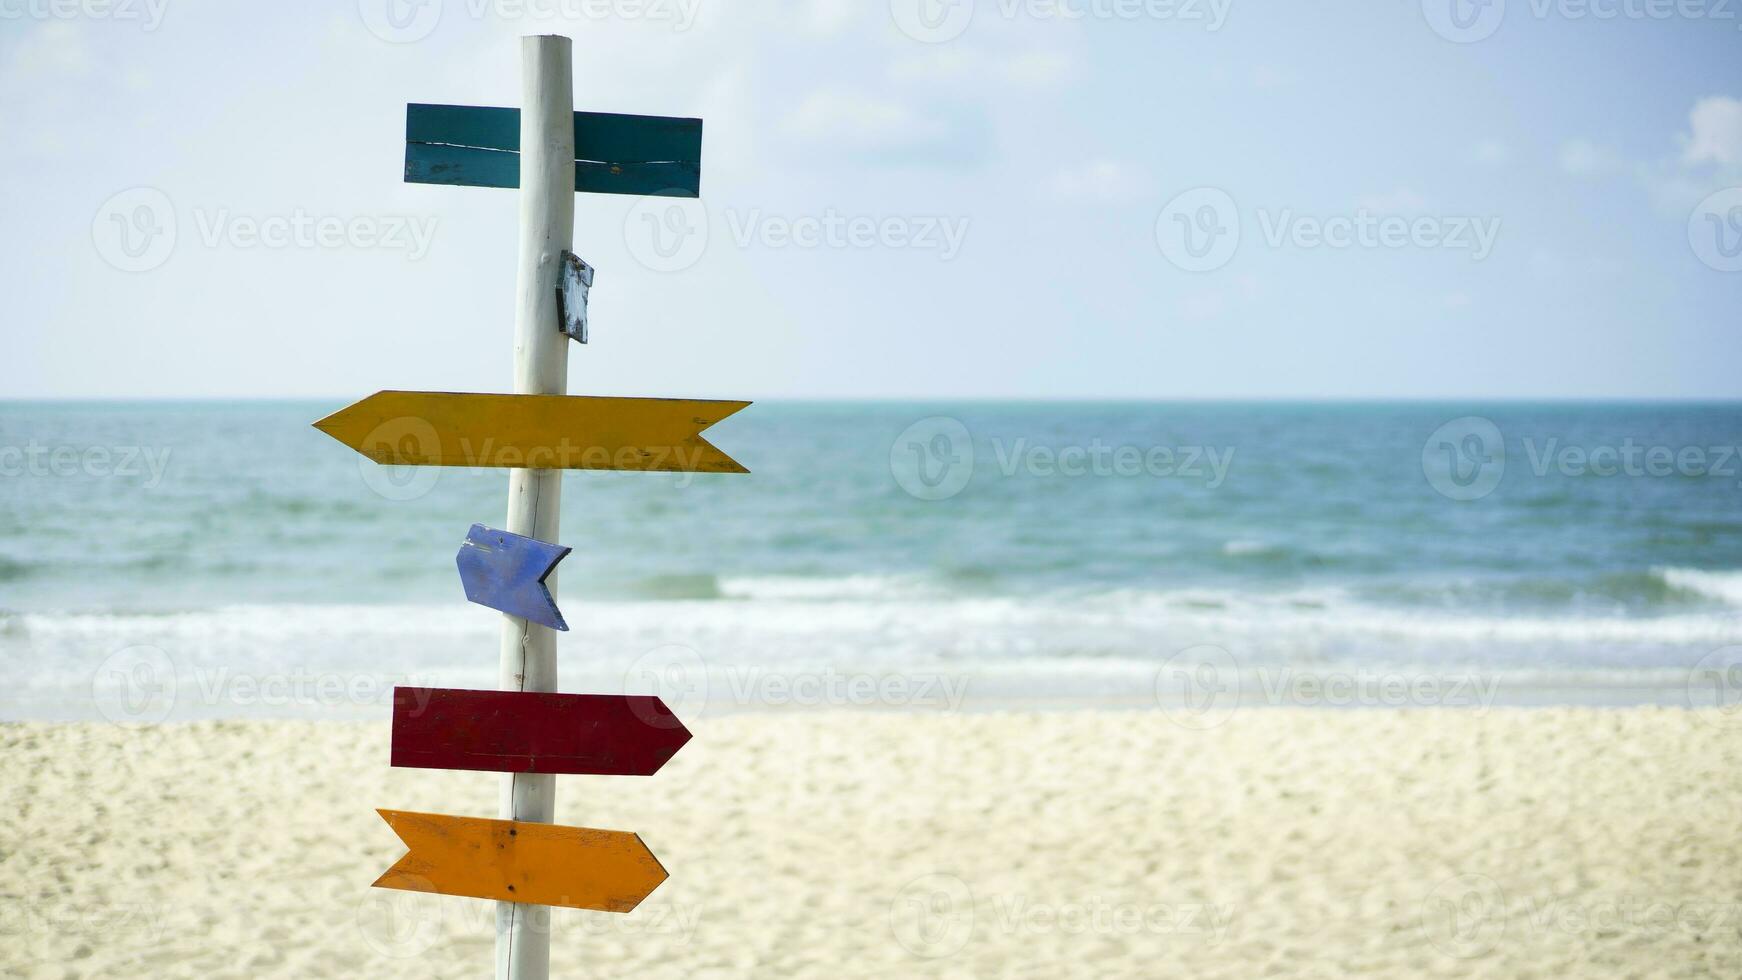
(506, 572)
(571, 296)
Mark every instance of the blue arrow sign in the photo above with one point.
(506, 571)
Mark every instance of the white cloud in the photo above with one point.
(1099, 182)
(1715, 135)
(54, 51)
(856, 120)
(1710, 158)
(1582, 158)
(1034, 67)
(1490, 153)
(826, 18)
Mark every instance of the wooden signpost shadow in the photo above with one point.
(527, 731)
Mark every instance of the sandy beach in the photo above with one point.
(1507, 843)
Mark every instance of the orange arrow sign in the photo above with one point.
(536, 432)
(512, 861)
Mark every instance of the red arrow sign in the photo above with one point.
(524, 731)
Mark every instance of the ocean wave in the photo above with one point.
(793, 587)
(1244, 546)
(1042, 646)
(884, 612)
(1723, 585)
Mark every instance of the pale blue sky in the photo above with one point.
(1009, 182)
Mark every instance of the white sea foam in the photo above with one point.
(1724, 585)
(858, 623)
(836, 587)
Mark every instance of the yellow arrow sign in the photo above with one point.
(512, 861)
(537, 432)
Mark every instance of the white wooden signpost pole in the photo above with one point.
(541, 367)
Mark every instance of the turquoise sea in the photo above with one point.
(232, 561)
